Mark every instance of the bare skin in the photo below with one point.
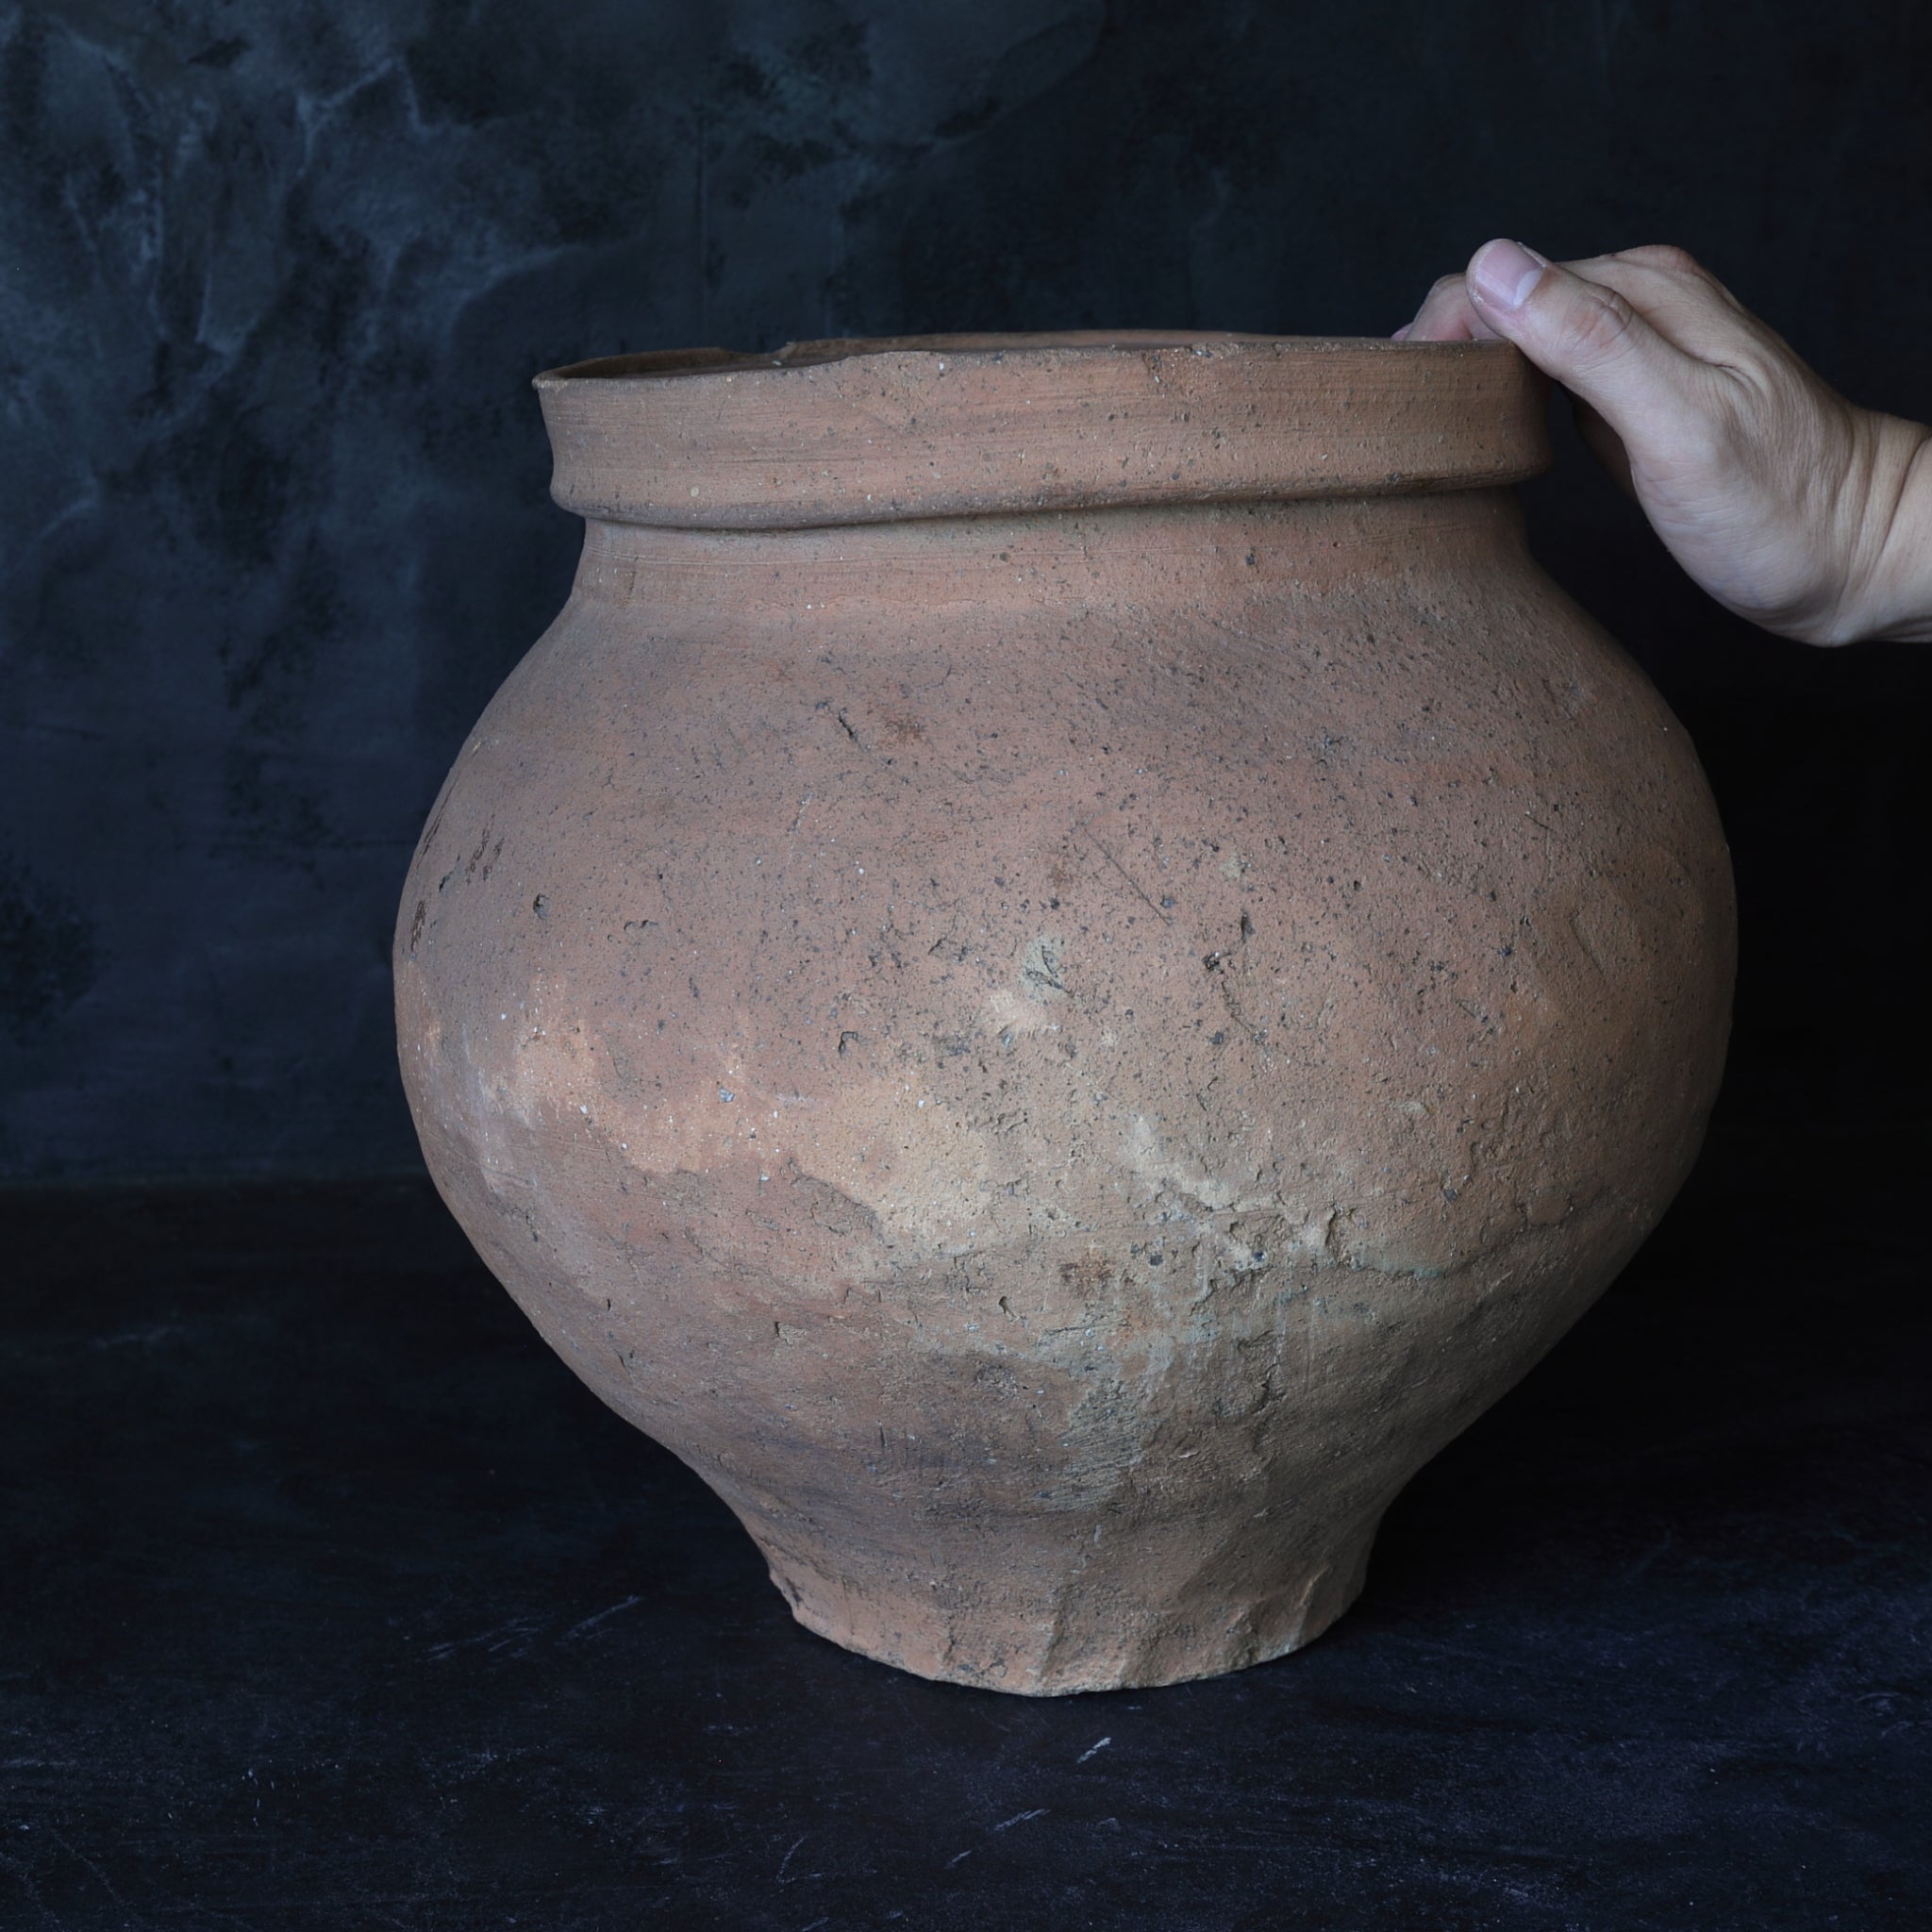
(1790, 506)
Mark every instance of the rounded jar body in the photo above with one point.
(1055, 1051)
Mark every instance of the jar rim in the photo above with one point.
(866, 430)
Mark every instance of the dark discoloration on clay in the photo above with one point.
(1056, 1055)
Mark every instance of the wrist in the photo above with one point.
(1890, 587)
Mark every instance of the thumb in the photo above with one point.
(1584, 333)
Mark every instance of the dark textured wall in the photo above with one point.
(277, 272)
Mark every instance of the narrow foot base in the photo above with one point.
(1087, 1634)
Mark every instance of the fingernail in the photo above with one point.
(1501, 275)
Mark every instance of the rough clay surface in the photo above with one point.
(1056, 1057)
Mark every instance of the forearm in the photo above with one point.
(1893, 583)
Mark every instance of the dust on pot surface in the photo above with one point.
(1063, 963)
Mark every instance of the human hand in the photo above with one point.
(1790, 506)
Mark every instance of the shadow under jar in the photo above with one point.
(1064, 961)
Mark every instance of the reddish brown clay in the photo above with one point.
(1064, 961)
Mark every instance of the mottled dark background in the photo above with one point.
(274, 275)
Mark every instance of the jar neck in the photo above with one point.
(1163, 558)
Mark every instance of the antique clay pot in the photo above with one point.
(1062, 965)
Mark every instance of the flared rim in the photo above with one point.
(887, 429)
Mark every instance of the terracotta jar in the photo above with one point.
(1064, 962)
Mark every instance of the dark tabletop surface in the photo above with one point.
(328, 1598)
